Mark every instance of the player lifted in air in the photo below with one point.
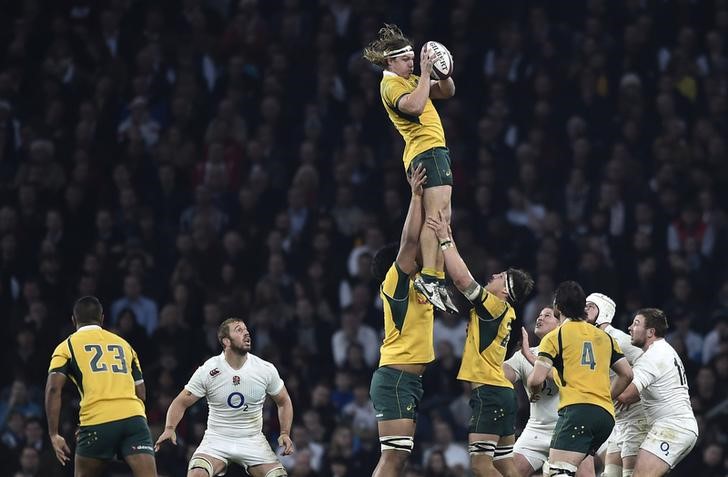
(407, 100)
(235, 384)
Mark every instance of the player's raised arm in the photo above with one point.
(409, 243)
(175, 413)
(461, 276)
(442, 89)
(285, 419)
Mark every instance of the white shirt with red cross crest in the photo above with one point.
(235, 397)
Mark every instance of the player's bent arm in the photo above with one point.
(141, 390)
(178, 407)
(285, 410)
(624, 376)
(629, 396)
(414, 103)
(442, 89)
(54, 387)
(510, 373)
(541, 371)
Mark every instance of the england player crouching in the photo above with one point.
(235, 384)
(660, 383)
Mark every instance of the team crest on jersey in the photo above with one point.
(214, 372)
(236, 380)
(421, 299)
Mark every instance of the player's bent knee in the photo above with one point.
(202, 463)
(478, 448)
(612, 470)
(561, 469)
(276, 472)
(397, 443)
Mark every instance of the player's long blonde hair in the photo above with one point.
(389, 38)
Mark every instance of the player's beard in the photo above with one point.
(242, 349)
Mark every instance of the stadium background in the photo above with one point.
(187, 161)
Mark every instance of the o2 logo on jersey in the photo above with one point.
(236, 400)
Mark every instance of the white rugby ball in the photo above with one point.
(443, 66)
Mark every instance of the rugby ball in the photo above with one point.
(443, 66)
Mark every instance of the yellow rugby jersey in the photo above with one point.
(408, 321)
(582, 355)
(421, 132)
(104, 368)
(485, 346)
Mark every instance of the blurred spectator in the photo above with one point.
(144, 308)
(456, 455)
(354, 331)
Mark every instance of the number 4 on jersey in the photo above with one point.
(587, 356)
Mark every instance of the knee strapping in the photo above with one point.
(197, 462)
(612, 470)
(397, 443)
(482, 448)
(561, 469)
(627, 472)
(503, 452)
(276, 472)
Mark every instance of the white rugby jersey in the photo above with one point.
(235, 397)
(632, 353)
(543, 413)
(659, 376)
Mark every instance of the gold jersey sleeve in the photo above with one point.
(582, 355)
(420, 133)
(408, 321)
(486, 344)
(105, 369)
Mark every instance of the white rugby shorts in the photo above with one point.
(533, 444)
(669, 442)
(244, 451)
(631, 435)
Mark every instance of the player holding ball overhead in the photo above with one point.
(407, 100)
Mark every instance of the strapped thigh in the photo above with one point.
(482, 448)
(397, 443)
(503, 452)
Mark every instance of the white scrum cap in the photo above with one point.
(606, 306)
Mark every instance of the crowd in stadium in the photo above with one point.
(187, 161)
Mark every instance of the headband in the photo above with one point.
(397, 53)
(510, 284)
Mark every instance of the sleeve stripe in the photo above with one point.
(546, 355)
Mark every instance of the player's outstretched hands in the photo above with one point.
(439, 226)
(417, 180)
(63, 453)
(167, 435)
(285, 441)
(427, 59)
